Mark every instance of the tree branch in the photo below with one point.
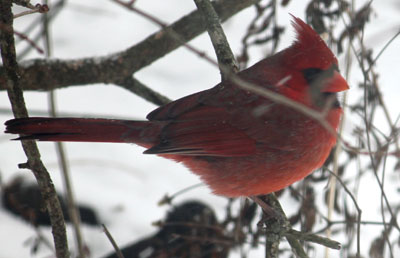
(10, 79)
(226, 59)
(42, 74)
(133, 85)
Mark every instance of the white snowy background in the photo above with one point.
(117, 180)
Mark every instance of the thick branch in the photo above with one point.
(42, 74)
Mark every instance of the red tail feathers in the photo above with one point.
(84, 130)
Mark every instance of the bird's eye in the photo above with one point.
(311, 74)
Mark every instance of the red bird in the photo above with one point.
(238, 142)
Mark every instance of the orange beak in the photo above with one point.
(336, 84)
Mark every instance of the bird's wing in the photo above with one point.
(206, 131)
(217, 122)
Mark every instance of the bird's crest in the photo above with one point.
(309, 49)
(306, 37)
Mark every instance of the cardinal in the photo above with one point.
(239, 142)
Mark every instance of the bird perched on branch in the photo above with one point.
(239, 142)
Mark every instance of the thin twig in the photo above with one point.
(37, 9)
(4, 27)
(359, 211)
(224, 53)
(278, 98)
(331, 223)
(167, 199)
(315, 239)
(72, 207)
(112, 241)
(387, 229)
(140, 89)
(382, 50)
